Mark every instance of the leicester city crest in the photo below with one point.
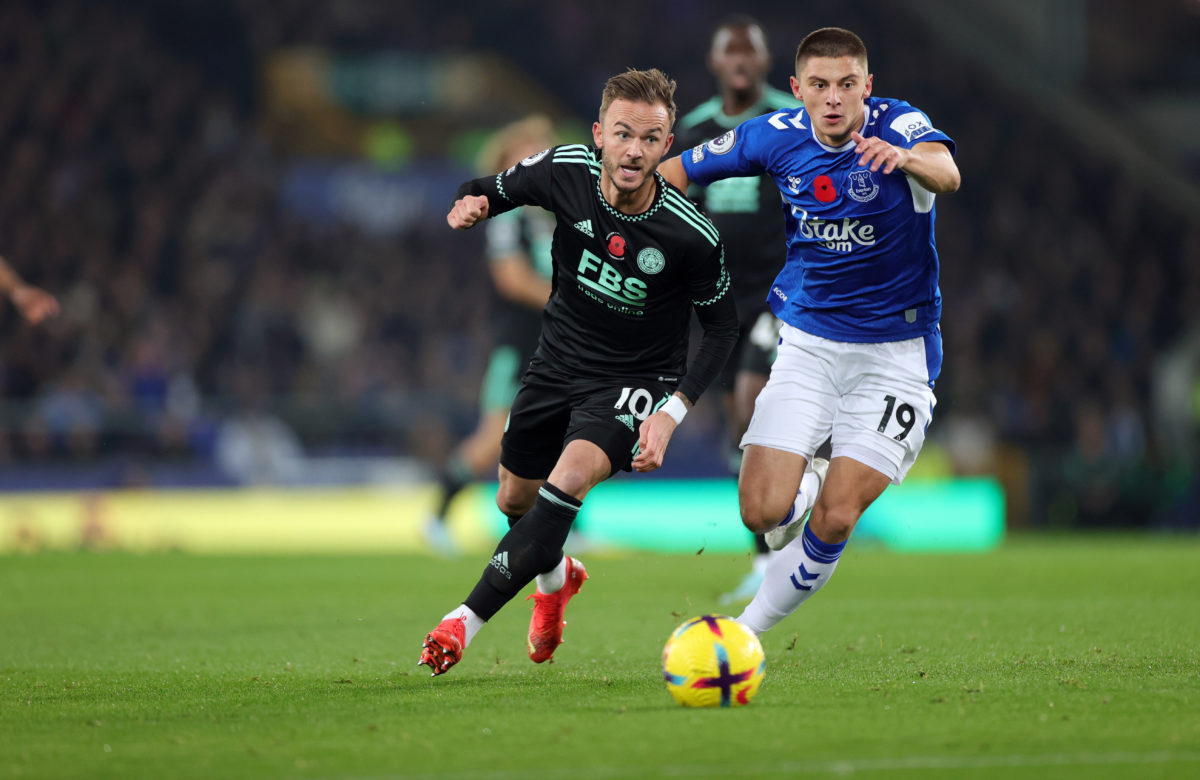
(862, 186)
(650, 260)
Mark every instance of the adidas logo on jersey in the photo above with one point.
(627, 419)
(500, 564)
(585, 227)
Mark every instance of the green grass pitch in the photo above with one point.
(1061, 657)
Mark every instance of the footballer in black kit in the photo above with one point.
(749, 214)
(614, 337)
(610, 380)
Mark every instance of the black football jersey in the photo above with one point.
(624, 284)
(746, 210)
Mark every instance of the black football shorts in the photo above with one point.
(552, 409)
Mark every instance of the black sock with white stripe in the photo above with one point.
(532, 546)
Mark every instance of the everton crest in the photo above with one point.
(862, 186)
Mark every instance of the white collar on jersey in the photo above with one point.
(849, 144)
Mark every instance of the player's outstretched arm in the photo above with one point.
(34, 303)
(467, 212)
(672, 170)
(929, 163)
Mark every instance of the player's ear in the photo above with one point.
(795, 82)
(667, 145)
(867, 87)
(598, 135)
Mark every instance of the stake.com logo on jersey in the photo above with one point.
(838, 235)
(601, 282)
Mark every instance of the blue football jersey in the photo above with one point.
(861, 262)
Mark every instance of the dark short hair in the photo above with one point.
(831, 42)
(641, 86)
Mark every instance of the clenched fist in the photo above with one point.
(468, 212)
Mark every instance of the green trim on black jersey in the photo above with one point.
(680, 206)
(500, 187)
(685, 210)
(575, 153)
(722, 286)
(650, 212)
(772, 99)
(584, 155)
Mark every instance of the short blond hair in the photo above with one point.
(641, 86)
(497, 153)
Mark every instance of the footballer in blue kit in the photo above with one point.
(861, 262)
(858, 294)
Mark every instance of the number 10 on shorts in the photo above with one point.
(640, 402)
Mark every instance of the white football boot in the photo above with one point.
(780, 536)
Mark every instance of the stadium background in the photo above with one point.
(240, 206)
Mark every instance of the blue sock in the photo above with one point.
(821, 552)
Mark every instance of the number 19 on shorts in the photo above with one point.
(904, 414)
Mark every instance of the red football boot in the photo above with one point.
(546, 625)
(444, 645)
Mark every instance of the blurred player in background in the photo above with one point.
(748, 212)
(610, 380)
(518, 251)
(33, 303)
(860, 345)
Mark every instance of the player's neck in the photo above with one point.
(837, 142)
(831, 141)
(629, 202)
(735, 102)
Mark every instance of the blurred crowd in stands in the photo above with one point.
(135, 184)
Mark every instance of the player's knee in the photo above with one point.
(513, 503)
(576, 479)
(833, 523)
(759, 514)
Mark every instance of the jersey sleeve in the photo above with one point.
(735, 153)
(717, 313)
(907, 126)
(686, 138)
(528, 183)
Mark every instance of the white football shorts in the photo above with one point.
(875, 400)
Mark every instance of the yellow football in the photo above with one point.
(713, 661)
